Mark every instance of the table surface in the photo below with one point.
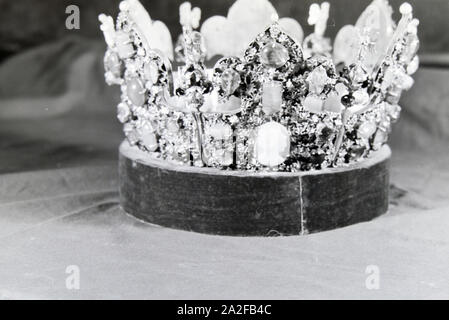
(59, 208)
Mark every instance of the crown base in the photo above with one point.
(236, 203)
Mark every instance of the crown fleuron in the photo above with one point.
(275, 100)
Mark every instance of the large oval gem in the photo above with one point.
(272, 145)
(135, 91)
(274, 55)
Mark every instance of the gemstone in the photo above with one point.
(125, 48)
(358, 74)
(379, 139)
(197, 47)
(148, 139)
(151, 71)
(347, 100)
(274, 55)
(366, 130)
(227, 159)
(272, 97)
(135, 91)
(341, 89)
(361, 97)
(213, 104)
(272, 144)
(230, 81)
(313, 104)
(317, 79)
(220, 131)
(411, 48)
(131, 133)
(333, 103)
(194, 98)
(123, 112)
(413, 66)
(393, 110)
(172, 127)
(113, 64)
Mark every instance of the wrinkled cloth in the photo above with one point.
(59, 205)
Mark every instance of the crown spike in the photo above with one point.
(318, 16)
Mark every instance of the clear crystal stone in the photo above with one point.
(196, 47)
(358, 74)
(194, 98)
(272, 97)
(230, 81)
(274, 55)
(317, 79)
(135, 91)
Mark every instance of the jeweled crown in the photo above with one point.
(273, 101)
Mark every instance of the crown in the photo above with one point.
(272, 100)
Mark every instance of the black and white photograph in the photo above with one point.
(225, 150)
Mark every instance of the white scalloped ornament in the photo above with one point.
(377, 18)
(230, 36)
(155, 33)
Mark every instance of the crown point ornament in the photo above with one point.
(274, 55)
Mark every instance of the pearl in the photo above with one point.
(272, 144)
(135, 91)
(366, 130)
(274, 55)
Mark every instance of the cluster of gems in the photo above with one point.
(280, 106)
